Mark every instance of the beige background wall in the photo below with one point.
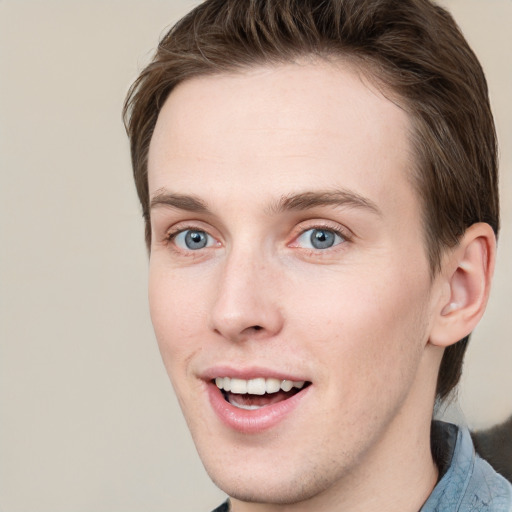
(88, 420)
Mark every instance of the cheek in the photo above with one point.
(368, 327)
(177, 314)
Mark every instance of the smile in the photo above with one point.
(253, 394)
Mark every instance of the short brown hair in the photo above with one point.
(413, 48)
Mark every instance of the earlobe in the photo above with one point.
(467, 272)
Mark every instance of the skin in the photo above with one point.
(356, 319)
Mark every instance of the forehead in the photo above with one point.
(291, 127)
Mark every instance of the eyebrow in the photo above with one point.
(338, 197)
(292, 202)
(179, 201)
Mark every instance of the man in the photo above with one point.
(319, 185)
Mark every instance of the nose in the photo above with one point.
(246, 301)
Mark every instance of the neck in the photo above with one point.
(402, 483)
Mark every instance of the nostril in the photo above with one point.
(257, 327)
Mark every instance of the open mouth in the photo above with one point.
(256, 393)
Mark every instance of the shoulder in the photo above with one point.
(469, 484)
(487, 490)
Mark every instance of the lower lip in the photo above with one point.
(252, 421)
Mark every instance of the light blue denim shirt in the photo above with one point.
(469, 484)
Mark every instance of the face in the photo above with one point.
(289, 285)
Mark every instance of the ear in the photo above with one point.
(466, 276)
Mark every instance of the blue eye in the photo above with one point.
(318, 238)
(193, 240)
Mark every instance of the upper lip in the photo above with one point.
(248, 373)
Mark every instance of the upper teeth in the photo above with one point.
(258, 386)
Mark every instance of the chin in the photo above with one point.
(267, 490)
(280, 475)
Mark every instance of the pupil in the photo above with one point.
(321, 239)
(195, 239)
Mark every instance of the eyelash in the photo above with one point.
(171, 236)
(321, 226)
